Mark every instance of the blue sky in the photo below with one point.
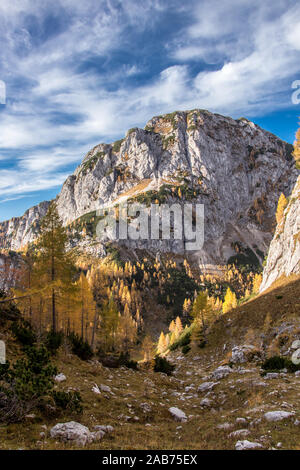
(78, 73)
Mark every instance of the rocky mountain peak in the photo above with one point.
(233, 167)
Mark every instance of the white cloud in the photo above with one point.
(16, 182)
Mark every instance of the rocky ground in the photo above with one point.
(201, 406)
(217, 397)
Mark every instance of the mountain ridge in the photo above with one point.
(234, 167)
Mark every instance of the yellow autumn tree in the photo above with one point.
(127, 331)
(202, 309)
(296, 152)
(86, 306)
(282, 203)
(162, 343)
(230, 301)
(147, 348)
(179, 326)
(186, 306)
(109, 322)
(256, 283)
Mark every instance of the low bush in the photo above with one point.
(124, 360)
(53, 341)
(110, 361)
(8, 310)
(23, 332)
(80, 347)
(161, 364)
(70, 401)
(24, 384)
(183, 340)
(202, 343)
(186, 349)
(276, 363)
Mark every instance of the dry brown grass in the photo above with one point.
(238, 395)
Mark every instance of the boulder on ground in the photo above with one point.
(96, 389)
(278, 415)
(178, 414)
(106, 429)
(240, 433)
(60, 377)
(247, 445)
(72, 431)
(207, 386)
(221, 372)
(206, 402)
(105, 388)
(245, 353)
(145, 407)
(272, 375)
(78, 433)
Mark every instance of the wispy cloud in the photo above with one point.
(16, 198)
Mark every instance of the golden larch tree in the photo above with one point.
(282, 203)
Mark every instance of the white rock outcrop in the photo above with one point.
(278, 415)
(60, 377)
(244, 353)
(284, 252)
(178, 414)
(247, 445)
(221, 372)
(207, 386)
(75, 432)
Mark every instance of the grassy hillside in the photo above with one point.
(244, 393)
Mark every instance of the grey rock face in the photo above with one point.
(233, 167)
(10, 266)
(284, 252)
(17, 232)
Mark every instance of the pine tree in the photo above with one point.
(109, 322)
(127, 331)
(282, 203)
(199, 305)
(54, 266)
(256, 283)
(86, 304)
(162, 345)
(178, 324)
(147, 348)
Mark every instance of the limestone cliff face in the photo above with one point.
(235, 168)
(10, 266)
(17, 232)
(284, 252)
